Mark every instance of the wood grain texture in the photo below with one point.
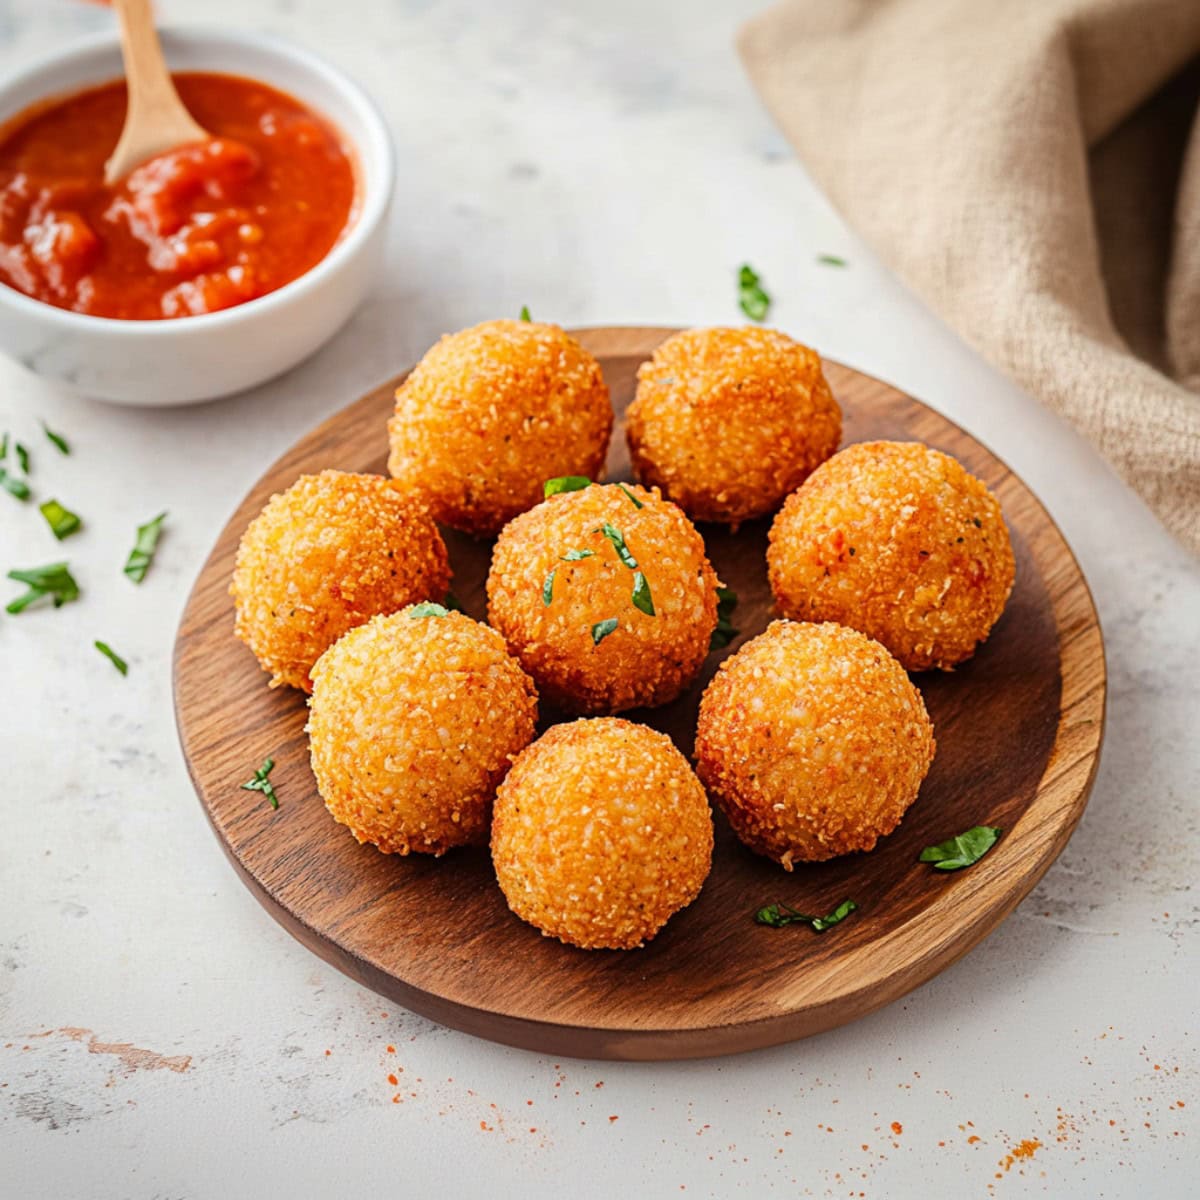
(1019, 730)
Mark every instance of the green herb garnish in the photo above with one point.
(62, 521)
(4, 446)
(565, 483)
(615, 536)
(963, 850)
(779, 915)
(451, 602)
(260, 782)
(830, 260)
(57, 439)
(602, 629)
(22, 458)
(754, 302)
(548, 588)
(113, 657)
(641, 594)
(13, 485)
(724, 632)
(576, 555)
(54, 581)
(632, 498)
(142, 554)
(427, 608)
(525, 313)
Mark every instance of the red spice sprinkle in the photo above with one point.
(533, 1129)
(530, 1102)
(897, 1128)
(390, 1050)
(866, 1147)
(396, 1098)
(972, 1139)
(612, 1118)
(599, 1083)
(485, 1127)
(393, 1080)
(328, 1053)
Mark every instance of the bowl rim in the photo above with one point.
(372, 207)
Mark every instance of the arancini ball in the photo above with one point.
(606, 596)
(729, 421)
(813, 741)
(415, 718)
(329, 553)
(490, 413)
(897, 540)
(601, 833)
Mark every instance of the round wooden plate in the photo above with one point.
(1018, 727)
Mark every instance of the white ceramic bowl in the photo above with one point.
(187, 359)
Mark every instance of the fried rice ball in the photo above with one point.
(324, 556)
(490, 413)
(897, 540)
(729, 421)
(601, 833)
(414, 721)
(606, 596)
(813, 741)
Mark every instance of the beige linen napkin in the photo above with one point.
(1032, 169)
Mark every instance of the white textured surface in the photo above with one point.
(604, 162)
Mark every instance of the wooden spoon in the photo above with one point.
(155, 119)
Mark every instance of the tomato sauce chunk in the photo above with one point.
(199, 228)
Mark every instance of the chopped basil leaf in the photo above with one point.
(260, 782)
(779, 915)
(615, 536)
(602, 629)
(830, 260)
(963, 850)
(54, 581)
(641, 594)
(565, 483)
(13, 485)
(754, 302)
(427, 608)
(632, 498)
(113, 657)
(525, 313)
(4, 446)
(142, 554)
(548, 587)
(62, 521)
(724, 632)
(56, 438)
(576, 555)
(22, 457)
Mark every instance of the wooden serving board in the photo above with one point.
(1019, 729)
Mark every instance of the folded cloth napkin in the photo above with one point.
(1032, 169)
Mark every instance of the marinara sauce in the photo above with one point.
(197, 229)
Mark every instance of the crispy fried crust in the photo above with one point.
(492, 412)
(324, 556)
(646, 660)
(899, 541)
(414, 721)
(813, 741)
(729, 421)
(601, 833)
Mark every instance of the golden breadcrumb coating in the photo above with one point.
(328, 554)
(729, 421)
(899, 541)
(601, 833)
(813, 741)
(492, 412)
(414, 721)
(645, 660)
